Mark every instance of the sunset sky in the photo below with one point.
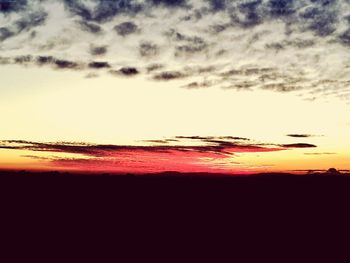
(143, 86)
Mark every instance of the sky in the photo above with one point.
(146, 86)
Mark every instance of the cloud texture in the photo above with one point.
(181, 153)
(283, 46)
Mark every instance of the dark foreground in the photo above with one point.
(171, 188)
(168, 213)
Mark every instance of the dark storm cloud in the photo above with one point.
(126, 28)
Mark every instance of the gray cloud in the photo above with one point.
(23, 59)
(90, 27)
(125, 71)
(345, 37)
(12, 6)
(98, 50)
(99, 65)
(169, 75)
(148, 49)
(65, 64)
(5, 33)
(126, 28)
(278, 45)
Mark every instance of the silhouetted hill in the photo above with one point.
(174, 208)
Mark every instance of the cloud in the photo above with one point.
(99, 65)
(148, 49)
(98, 50)
(295, 135)
(275, 45)
(168, 3)
(5, 33)
(125, 71)
(12, 6)
(126, 28)
(23, 59)
(65, 64)
(206, 138)
(298, 145)
(345, 37)
(102, 11)
(210, 144)
(32, 20)
(169, 75)
(23, 24)
(42, 60)
(180, 153)
(197, 85)
(90, 27)
(154, 67)
(128, 71)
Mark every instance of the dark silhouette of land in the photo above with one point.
(174, 207)
(177, 186)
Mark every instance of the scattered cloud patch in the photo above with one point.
(126, 28)
(125, 71)
(295, 135)
(169, 75)
(98, 50)
(298, 145)
(99, 65)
